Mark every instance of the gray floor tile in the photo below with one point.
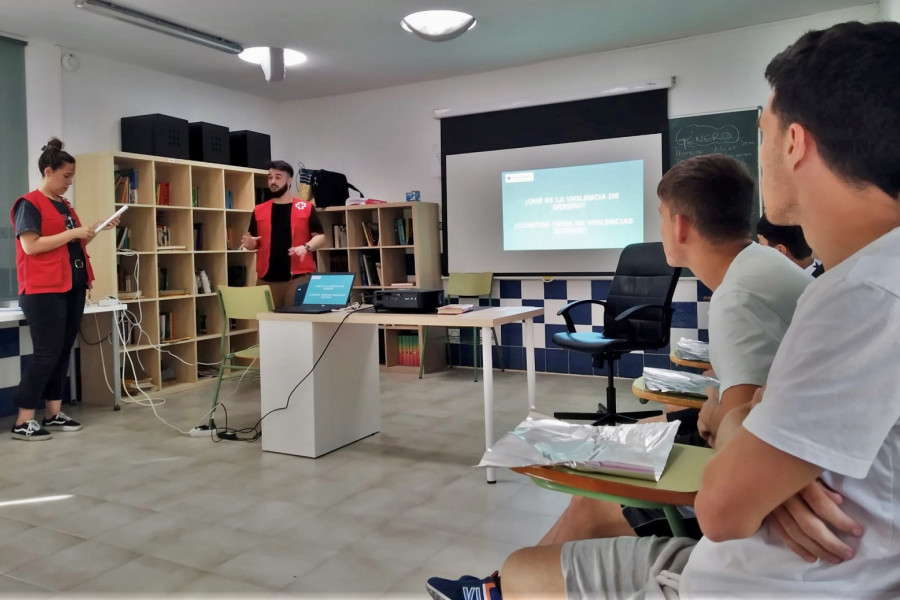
(157, 513)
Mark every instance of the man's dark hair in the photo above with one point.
(714, 192)
(841, 84)
(789, 236)
(280, 165)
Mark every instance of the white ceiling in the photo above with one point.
(357, 45)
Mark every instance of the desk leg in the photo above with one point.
(487, 352)
(116, 367)
(676, 523)
(528, 339)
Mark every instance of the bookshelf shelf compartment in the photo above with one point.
(393, 262)
(201, 200)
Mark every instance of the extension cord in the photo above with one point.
(200, 431)
(107, 302)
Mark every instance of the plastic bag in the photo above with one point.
(689, 349)
(682, 382)
(639, 450)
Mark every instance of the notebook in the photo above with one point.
(325, 292)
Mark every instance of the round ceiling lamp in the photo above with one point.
(438, 25)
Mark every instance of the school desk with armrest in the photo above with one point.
(639, 389)
(677, 486)
(684, 362)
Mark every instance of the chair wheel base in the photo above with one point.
(606, 418)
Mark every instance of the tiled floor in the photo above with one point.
(154, 513)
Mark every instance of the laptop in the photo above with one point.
(324, 293)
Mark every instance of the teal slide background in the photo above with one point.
(528, 224)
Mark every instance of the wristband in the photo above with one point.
(308, 249)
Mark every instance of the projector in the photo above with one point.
(408, 300)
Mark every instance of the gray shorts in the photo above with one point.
(624, 567)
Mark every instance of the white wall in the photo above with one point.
(83, 107)
(43, 102)
(384, 140)
(890, 10)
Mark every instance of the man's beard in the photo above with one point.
(277, 193)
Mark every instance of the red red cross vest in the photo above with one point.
(300, 213)
(47, 272)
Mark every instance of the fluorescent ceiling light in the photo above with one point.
(438, 25)
(147, 21)
(273, 60)
(258, 54)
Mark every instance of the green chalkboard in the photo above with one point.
(732, 133)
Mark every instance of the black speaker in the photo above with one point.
(210, 143)
(250, 149)
(156, 135)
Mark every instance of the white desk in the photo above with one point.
(339, 403)
(7, 315)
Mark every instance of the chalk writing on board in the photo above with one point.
(701, 136)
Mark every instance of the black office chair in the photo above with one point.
(637, 316)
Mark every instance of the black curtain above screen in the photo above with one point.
(641, 113)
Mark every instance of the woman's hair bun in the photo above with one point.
(53, 144)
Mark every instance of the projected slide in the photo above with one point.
(574, 208)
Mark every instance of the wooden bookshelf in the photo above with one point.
(208, 208)
(373, 241)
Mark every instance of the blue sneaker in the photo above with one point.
(467, 587)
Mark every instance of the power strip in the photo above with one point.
(201, 431)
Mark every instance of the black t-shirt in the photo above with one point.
(279, 259)
(28, 218)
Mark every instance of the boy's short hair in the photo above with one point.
(789, 236)
(714, 192)
(280, 165)
(841, 85)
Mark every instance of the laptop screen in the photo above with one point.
(329, 288)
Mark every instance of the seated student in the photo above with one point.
(831, 407)
(706, 207)
(789, 240)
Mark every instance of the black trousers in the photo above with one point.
(54, 320)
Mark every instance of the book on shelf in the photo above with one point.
(163, 279)
(123, 238)
(126, 182)
(162, 193)
(198, 236)
(339, 235)
(229, 199)
(172, 292)
(163, 235)
(408, 349)
(400, 230)
(201, 283)
(370, 233)
(371, 271)
(403, 284)
(455, 309)
(171, 248)
(195, 196)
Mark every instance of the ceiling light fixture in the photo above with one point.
(438, 25)
(142, 19)
(273, 60)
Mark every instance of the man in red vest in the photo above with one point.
(285, 232)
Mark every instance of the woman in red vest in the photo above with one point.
(285, 231)
(54, 273)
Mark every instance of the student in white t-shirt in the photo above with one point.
(831, 408)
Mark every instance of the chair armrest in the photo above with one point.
(564, 311)
(630, 313)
